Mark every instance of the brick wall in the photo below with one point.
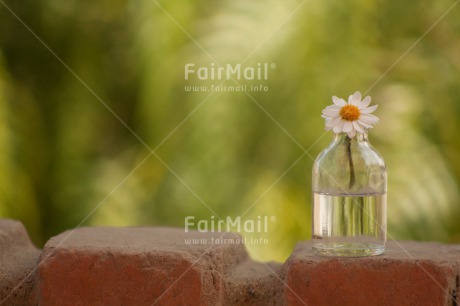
(154, 266)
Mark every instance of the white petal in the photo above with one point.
(338, 127)
(352, 134)
(365, 102)
(332, 107)
(355, 99)
(358, 127)
(329, 115)
(368, 110)
(338, 101)
(369, 118)
(331, 123)
(331, 112)
(364, 124)
(347, 127)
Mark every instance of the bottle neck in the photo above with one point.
(343, 137)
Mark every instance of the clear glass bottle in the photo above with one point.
(349, 199)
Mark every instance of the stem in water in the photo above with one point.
(350, 162)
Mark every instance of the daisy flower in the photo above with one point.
(354, 116)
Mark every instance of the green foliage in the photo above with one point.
(97, 129)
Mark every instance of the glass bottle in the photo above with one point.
(349, 199)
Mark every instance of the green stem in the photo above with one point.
(350, 162)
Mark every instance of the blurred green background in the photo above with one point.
(67, 160)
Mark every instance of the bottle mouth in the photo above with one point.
(362, 192)
(358, 136)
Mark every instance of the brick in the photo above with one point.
(456, 293)
(18, 259)
(253, 283)
(155, 266)
(409, 273)
(136, 266)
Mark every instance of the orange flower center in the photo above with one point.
(350, 112)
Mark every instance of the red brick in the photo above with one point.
(254, 283)
(18, 258)
(408, 273)
(154, 266)
(135, 266)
